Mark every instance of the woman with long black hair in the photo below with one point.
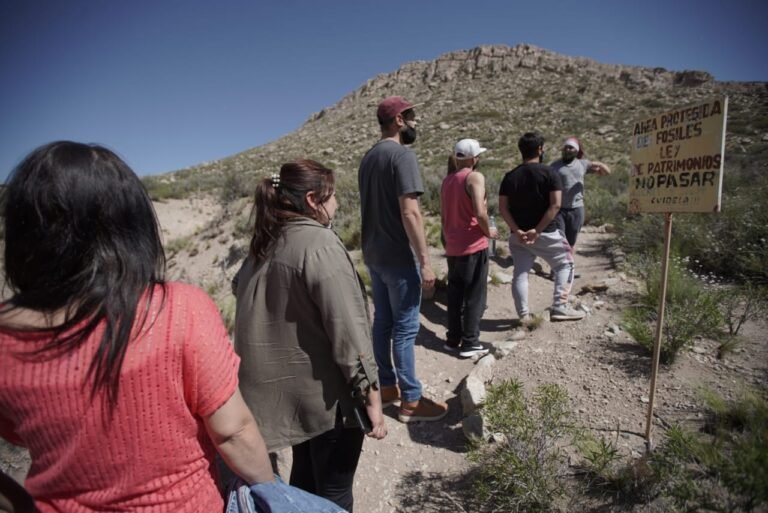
(120, 385)
(303, 333)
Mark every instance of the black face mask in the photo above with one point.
(568, 157)
(541, 157)
(407, 135)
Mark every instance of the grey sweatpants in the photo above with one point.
(554, 249)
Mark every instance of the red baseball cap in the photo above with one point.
(391, 106)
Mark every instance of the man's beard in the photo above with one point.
(407, 135)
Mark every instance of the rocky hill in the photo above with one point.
(492, 93)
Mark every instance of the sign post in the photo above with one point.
(677, 166)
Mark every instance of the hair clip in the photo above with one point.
(275, 180)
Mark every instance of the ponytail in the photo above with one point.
(282, 197)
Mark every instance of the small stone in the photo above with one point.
(699, 350)
(473, 427)
(605, 129)
(502, 349)
(644, 399)
(496, 438)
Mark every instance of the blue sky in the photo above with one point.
(172, 83)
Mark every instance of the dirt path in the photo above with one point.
(605, 372)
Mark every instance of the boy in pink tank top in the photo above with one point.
(466, 229)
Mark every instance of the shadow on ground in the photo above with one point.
(435, 492)
(629, 357)
(435, 310)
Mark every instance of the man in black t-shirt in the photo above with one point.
(529, 199)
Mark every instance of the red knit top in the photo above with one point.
(463, 235)
(154, 455)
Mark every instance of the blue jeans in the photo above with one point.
(396, 300)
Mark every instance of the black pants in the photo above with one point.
(569, 222)
(467, 288)
(325, 465)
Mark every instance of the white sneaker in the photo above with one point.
(565, 313)
(468, 351)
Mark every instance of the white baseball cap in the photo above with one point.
(572, 142)
(468, 148)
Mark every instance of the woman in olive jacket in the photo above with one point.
(302, 332)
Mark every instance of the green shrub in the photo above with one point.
(720, 468)
(160, 189)
(348, 229)
(233, 187)
(433, 230)
(604, 472)
(176, 245)
(738, 305)
(429, 202)
(691, 309)
(731, 244)
(524, 470)
(725, 467)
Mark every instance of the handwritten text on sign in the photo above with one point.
(677, 160)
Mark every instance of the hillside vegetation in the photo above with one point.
(494, 93)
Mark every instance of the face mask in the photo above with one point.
(541, 157)
(568, 156)
(407, 135)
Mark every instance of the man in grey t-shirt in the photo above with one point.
(396, 253)
(572, 168)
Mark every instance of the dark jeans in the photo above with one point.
(325, 465)
(569, 222)
(467, 287)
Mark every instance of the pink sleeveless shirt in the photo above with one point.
(463, 235)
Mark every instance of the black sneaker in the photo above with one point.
(452, 345)
(468, 351)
